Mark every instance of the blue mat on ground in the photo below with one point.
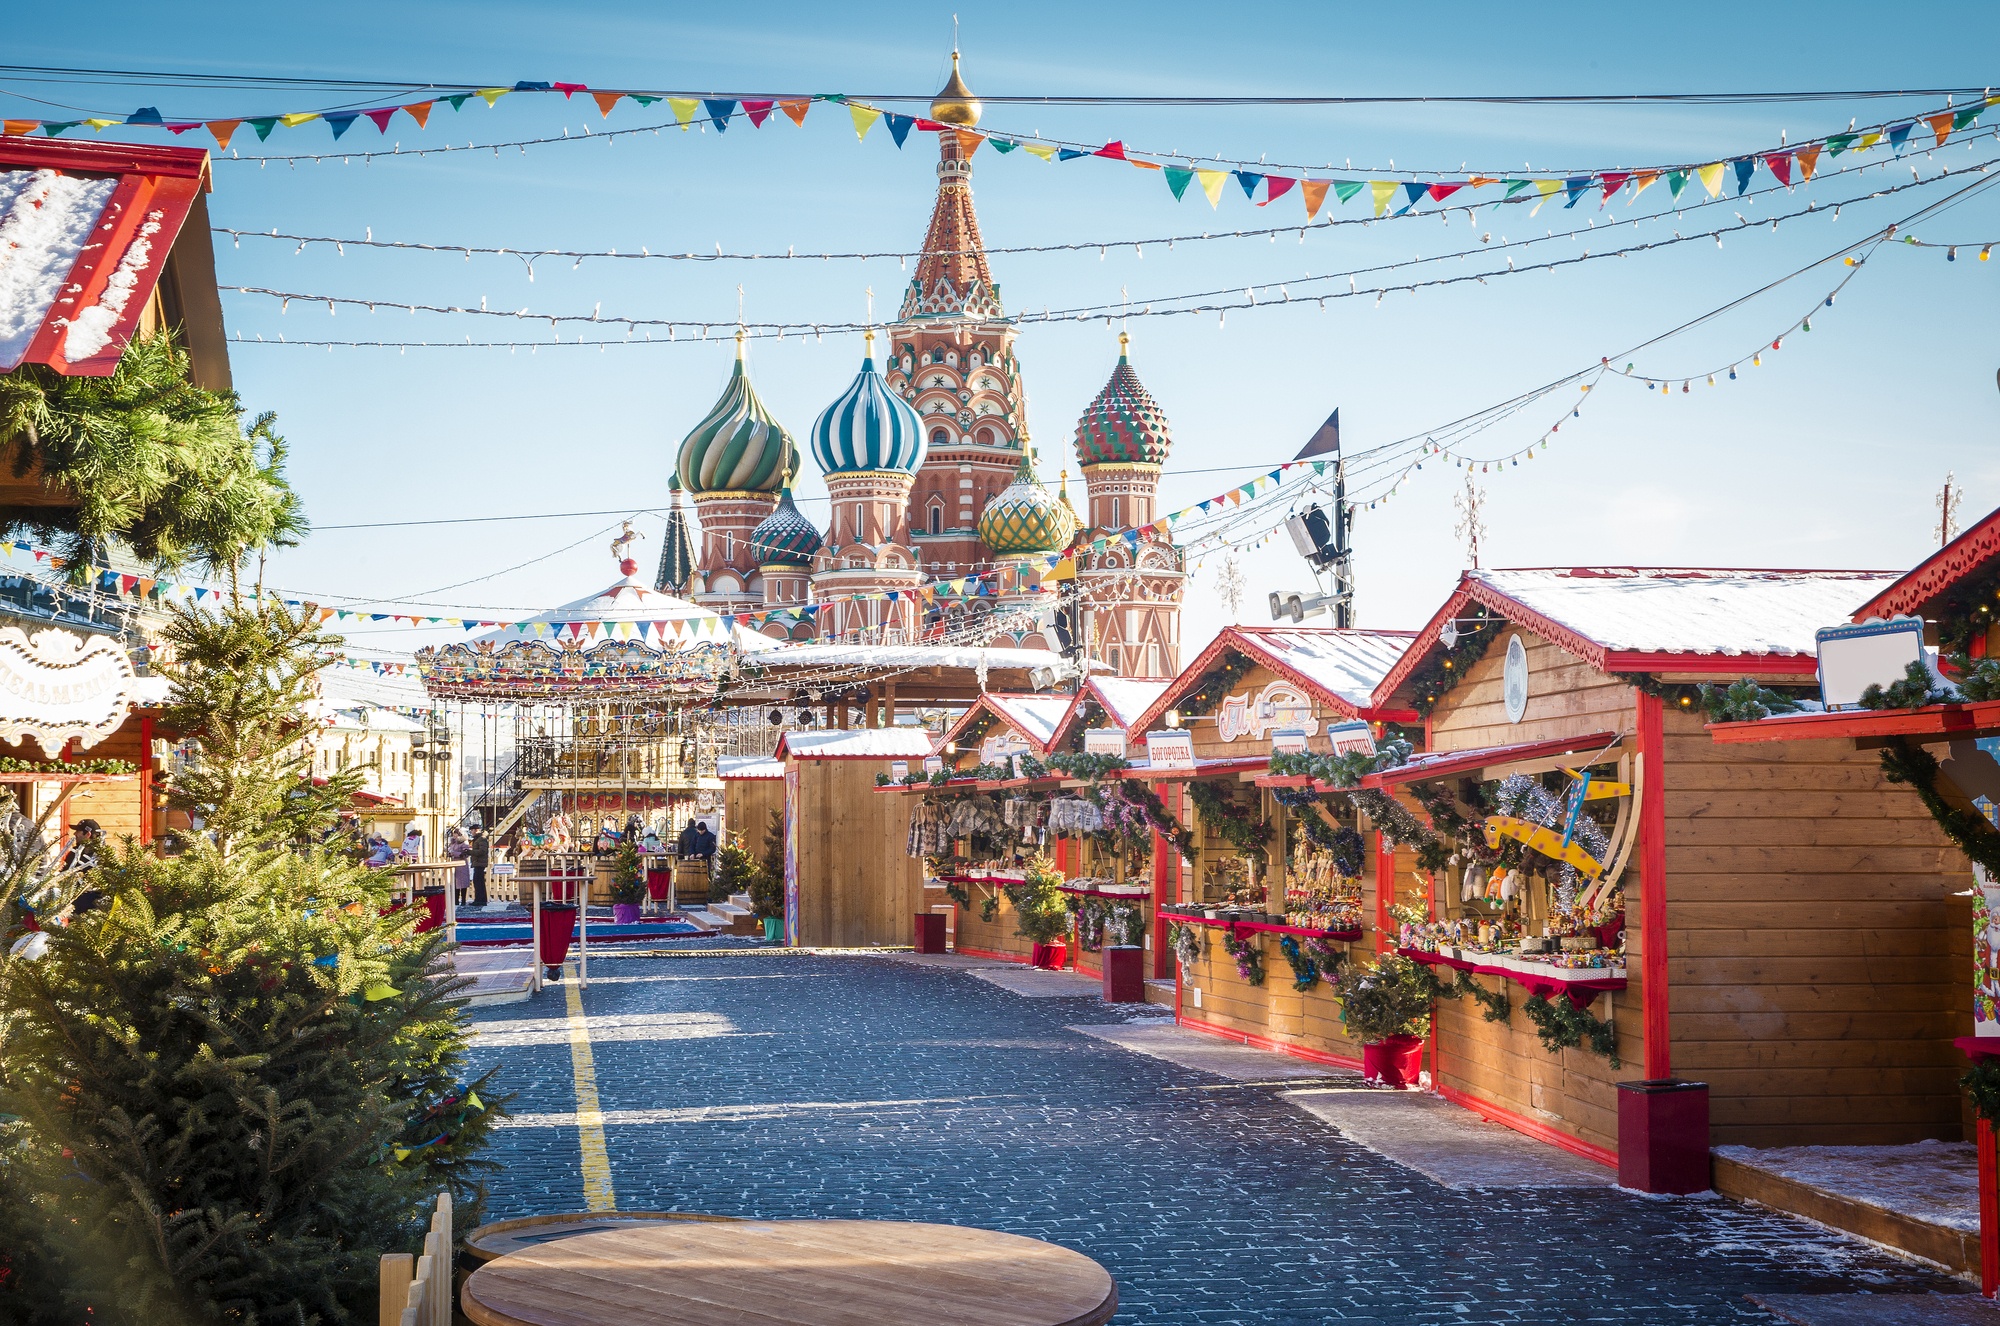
(481, 933)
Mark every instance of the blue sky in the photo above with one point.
(1828, 455)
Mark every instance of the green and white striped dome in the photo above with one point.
(738, 447)
(1026, 518)
(869, 427)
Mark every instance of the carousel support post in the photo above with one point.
(889, 703)
(451, 905)
(583, 932)
(534, 936)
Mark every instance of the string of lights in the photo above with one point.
(692, 118)
(1274, 294)
(576, 257)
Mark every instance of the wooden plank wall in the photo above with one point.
(747, 804)
(994, 936)
(1819, 963)
(117, 807)
(857, 887)
(1572, 1092)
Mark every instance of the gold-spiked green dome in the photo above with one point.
(1025, 518)
(738, 447)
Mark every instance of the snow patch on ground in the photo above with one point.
(1935, 1182)
(45, 218)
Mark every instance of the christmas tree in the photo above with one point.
(239, 1080)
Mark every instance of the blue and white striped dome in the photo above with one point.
(869, 427)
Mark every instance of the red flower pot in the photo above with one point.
(625, 913)
(433, 900)
(1395, 1062)
(558, 932)
(1051, 957)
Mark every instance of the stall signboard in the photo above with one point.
(997, 748)
(933, 764)
(1874, 652)
(61, 686)
(1278, 705)
(1985, 953)
(1350, 737)
(1104, 741)
(898, 770)
(1288, 741)
(1171, 749)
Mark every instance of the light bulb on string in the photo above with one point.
(1984, 253)
(1732, 372)
(1951, 254)
(1756, 361)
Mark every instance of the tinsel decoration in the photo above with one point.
(1305, 971)
(1249, 959)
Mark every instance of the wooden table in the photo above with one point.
(792, 1273)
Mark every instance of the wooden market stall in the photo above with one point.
(1784, 942)
(1260, 906)
(848, 881)
(1922, 914)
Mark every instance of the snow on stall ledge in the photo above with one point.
(90, 331)
(45, 217)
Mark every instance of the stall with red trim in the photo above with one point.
(1272, 887)
(1563, 720)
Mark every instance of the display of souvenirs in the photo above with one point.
(1227, 878)
(1318, 896)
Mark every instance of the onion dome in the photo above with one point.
(785, 537)
(955, 104)
(1024, 518)
(1124, 425)
(869, 427)
(739, 447)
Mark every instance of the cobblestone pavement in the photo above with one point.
(773, 1085)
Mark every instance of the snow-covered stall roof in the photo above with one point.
(868, 743)
(1340, 665)
(86, 229)
(737, 767)
(1676, 611)
(1036, 717)
(1126, 698)
(1638, 619)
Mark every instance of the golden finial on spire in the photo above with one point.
(955, 104)
(1124, 345)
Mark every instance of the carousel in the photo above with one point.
(604, 711)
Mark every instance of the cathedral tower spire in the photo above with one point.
(951, 357)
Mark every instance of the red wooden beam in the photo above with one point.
(1945, 720)
(1653, 885)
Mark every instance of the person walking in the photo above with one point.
(479, 852)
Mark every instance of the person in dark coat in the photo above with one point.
(704, 842)
(688, 844)
(481, 851)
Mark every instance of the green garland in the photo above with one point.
(1238, 825)
(1093, 768)
(1916, 690)
(1305, 971)
(1739, 702)
(1249, 958)
(1903, 762)
(1441, 670)
(1494, 1005)
(1216, 683)
(8, 764)
(1561, 1025)
(959, 894)
(1982, 1083)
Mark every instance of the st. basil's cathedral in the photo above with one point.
(931, 477)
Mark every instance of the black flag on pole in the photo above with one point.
(1325, 440)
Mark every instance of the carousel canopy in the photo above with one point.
(623, 640)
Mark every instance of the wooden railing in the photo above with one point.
(417, 1291)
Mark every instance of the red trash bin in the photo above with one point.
(1663, 1136)
(558, 933)
(1124, 974)
(929, 932)
(659, 883)
(433, 900)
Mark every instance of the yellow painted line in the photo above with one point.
(597, 1191)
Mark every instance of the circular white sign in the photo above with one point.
(1514, 681)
